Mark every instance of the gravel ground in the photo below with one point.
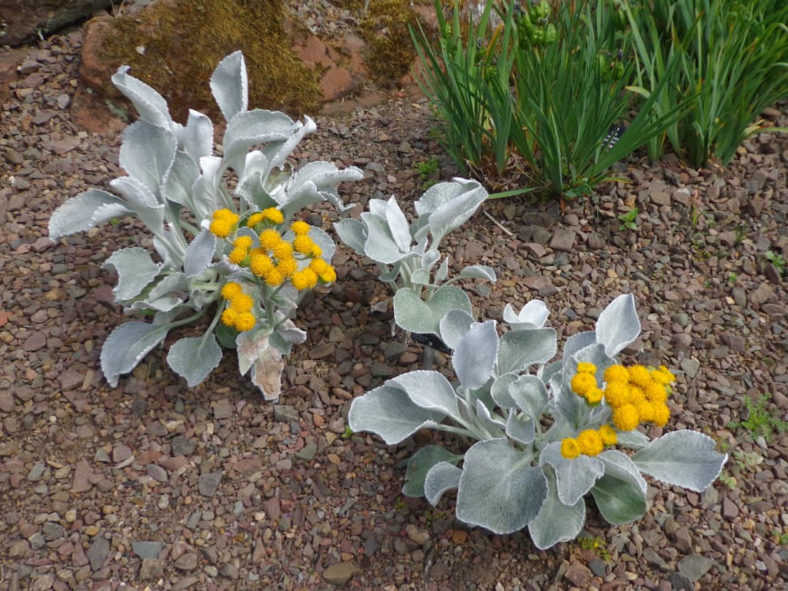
(152, 485)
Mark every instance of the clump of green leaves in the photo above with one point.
(596, 544)
(629, 220)
(776, 259)
(760, 421)
(732, 65)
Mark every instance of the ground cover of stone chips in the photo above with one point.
(154, 485)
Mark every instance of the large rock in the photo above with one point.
(21, 20)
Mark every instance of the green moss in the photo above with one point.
(184, 40)
(389, 46)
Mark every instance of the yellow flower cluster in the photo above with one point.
(271, 214)
(223, 222)
(238, 313)
(636, 394)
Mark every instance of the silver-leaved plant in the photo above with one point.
(538, 451)
(407, 253)
(177, 187)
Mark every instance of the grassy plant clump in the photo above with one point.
(179, 43)
(733, 58)
(538, 88)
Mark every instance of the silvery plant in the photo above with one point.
(175, 184)
(514, 410)
(408, 255)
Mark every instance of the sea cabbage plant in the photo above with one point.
(228, 250)
(408, 255)
(546, 434)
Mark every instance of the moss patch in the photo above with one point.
(177, 45)
(385, 29)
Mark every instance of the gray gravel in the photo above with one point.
(152, 483)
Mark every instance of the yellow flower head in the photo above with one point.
(616, 373)
(283, 250)
(229, 317)
(269, 239)
(242, 302)
(304, 279)
(586, 367)
(639, 375)
(318, 266)
(570, 448)
(594, 396)
(221, 228)
(303, 244)
(245, 321)
(300, 228)
(316, 251)
(244, 242)
(237, 255)
(661, 414)
(608, 435)
(254, 219)
(225, 214)
(260, 263)
(329, 275)
(273, 277)
(616, 393)
(582, 383)
(272, 214)
(625, 417)
(287, 266)
(230, 289)
(590, 442)
(636, 395)
(663, 376)
(646, 412)
(656, 392)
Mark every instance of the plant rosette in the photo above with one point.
(407, 253)
(235, 253)
(546, 434)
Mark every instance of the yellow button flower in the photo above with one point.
(221, 228)
(254, 219)
(273, 277)
(329, 275)
(570, 448)
(244, 242)
(582, 383)
(616, 394)
(590, 442)
(242, 303)
(282, 250)
(608, 435)
(245, 321)
(230, 289)
(287, 266)
(663, 376)
(272, 214)
(646, 412)
(625, 417)
(656, 392)
(269, 238)
(318, 266)
(303, 244)
(316, 251)
(594, 396)
(260, 263)
(661, 415)
(300, 228)
(639, 375)
(616, 373)
(586, 367)
(229, 317)
(237, 255)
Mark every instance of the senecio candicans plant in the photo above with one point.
(234, 254)
(546, 434)
(407, 253)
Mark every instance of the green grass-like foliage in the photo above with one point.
(733, 63)
(760, 421)
(540, 89)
